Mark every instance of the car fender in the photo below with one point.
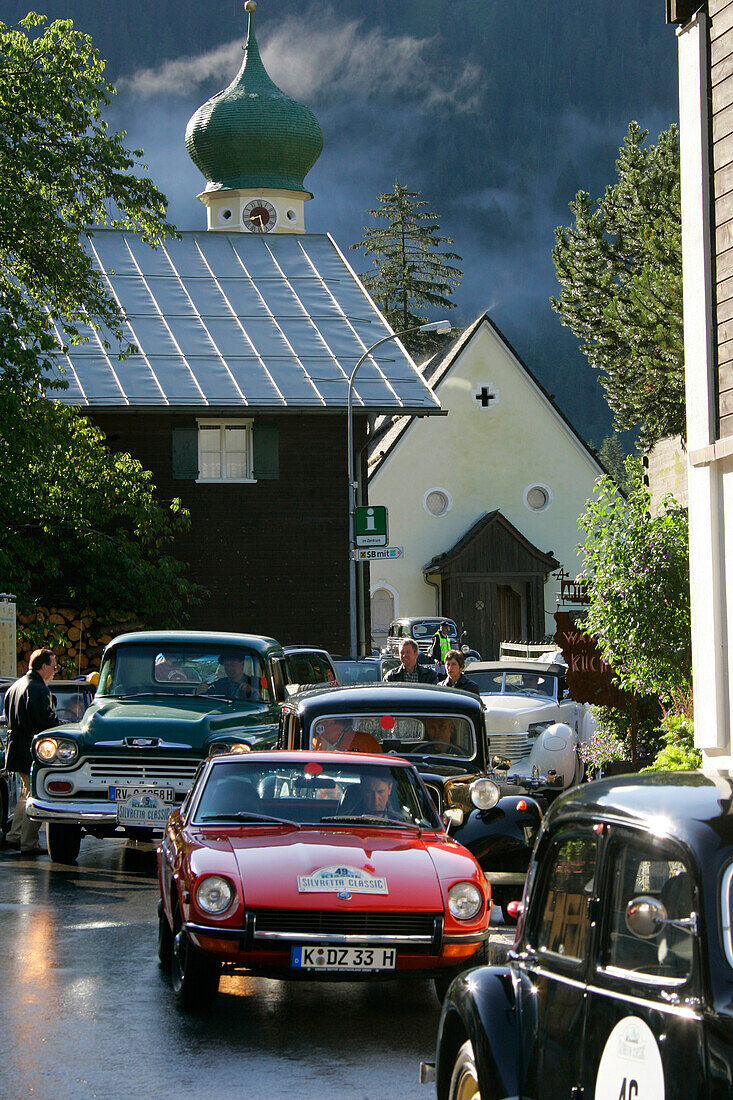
(481, 1005)
(556, 749)
(503, 831)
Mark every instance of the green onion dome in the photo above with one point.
(252, 135)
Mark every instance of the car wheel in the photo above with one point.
(64, 842)
(464, 1079)
(165, 939)
(194, 975)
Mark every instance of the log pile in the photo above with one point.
(85, 633)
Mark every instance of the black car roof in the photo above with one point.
(693, 808)
(388, 697)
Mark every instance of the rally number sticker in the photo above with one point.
(631, 1065)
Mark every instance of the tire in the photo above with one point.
(443, 981)
(165, 939)
(464, 1079)
(194, 975)
(64, 842)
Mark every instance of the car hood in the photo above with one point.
(507, 713)
(175, 722)
(271, 865)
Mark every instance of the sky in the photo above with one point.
(497, 111)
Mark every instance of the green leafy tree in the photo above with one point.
(637, 572)
(620, 269)
(613, 457)
(78, 521)
(678, 753)
(412, 273)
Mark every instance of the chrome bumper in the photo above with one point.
(196, 929)
(81, 813)
(505, 878)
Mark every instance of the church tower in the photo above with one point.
(254, 146)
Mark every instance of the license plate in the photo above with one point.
(144, 806)
(343, 958)
(122, 794)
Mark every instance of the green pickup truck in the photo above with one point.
(166, 700)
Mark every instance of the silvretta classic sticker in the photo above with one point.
(332, 879)
(631, 1065)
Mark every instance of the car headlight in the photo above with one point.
(214, 894)
(465, 900)
(484, 794)
(56, 750)
(229, 746)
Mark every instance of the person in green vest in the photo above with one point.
(441, 643)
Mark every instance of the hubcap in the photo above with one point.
(467, 1087)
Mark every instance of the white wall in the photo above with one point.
(484, 459)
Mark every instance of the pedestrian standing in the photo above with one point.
(29, 709)
(442, 643)
(454, 662)
(410, 671)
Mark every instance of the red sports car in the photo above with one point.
(315, 865)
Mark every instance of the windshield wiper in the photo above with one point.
(369, 819)
(244, 815)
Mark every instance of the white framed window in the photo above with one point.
(537, 498)
(437, 501)
(225, 450)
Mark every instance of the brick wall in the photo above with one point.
(274, 555)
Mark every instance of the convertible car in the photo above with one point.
(315, 865)
(531, 721)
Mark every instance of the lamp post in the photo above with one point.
(433, 326)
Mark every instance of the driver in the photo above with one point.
(233, 683)
(375, 789)
(337, 735)
(441, 730)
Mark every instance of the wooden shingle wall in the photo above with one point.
(721, 76)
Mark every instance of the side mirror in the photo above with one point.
(500, 763)
(645, 917)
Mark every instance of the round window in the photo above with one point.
(437, 502)
(225, 215)
(292, 216)
(537, 498)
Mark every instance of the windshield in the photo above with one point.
(403, 734)
(249, 793)
(427, 627)
(71, 701)
(222, 672)
(358, 672)
(514, 682)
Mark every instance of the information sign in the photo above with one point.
(370, 526)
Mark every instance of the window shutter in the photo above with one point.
(266, 452)
(185, 453)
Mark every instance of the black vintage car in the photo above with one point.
(620, 983)
(442, 731)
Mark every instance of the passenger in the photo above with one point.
(337, 735)
(410, 671)
(454, 663)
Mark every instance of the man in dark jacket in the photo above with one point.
(410, 671)
(29, 710)
(454, 663)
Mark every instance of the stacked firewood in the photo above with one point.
(84, 634)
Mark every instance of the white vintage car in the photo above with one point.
(531, 721)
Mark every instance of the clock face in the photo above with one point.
(259, 216)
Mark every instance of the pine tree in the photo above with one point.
(620, 268)
(412, 274)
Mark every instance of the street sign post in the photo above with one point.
(378, 553)
(370, 525)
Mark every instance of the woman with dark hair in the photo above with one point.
(454, 662)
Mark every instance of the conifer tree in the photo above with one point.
(620, 268)
(412, 274)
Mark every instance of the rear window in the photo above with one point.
(427, 734)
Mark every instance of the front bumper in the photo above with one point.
(99, 813)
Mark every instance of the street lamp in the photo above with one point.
(432, 326)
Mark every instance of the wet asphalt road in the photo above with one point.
(85, 1013)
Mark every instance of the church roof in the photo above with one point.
(239, 321)
(253, 135)
(392, 428)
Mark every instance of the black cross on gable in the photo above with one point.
(485, 397)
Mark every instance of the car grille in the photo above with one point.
(109, 772)
(315, 922)
(513, 746)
